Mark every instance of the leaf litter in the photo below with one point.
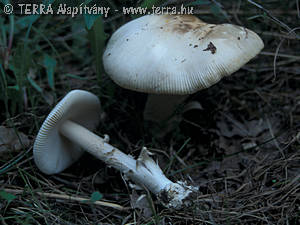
(12, 141)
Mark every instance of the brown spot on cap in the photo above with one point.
(183, 23)
(246, 31)
(183, 28)
(211, 47)
(189, 18)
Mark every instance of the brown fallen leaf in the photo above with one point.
(228, 126)
(10, 141)
(141, 202)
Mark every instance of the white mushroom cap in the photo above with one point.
(176, 54)
(52, 152)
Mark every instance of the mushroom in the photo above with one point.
(172, 56)
(66, 132)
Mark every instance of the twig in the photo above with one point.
(280, 55)
(277, 50)
(268, 33)
(272, 17)
(69, 198)
(274, 138)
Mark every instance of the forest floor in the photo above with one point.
(238, 141)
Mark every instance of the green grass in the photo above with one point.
(43, 57)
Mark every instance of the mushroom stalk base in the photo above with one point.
(143, 171)
(160, 107)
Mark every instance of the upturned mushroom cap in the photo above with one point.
(52, 152)
(176, 54)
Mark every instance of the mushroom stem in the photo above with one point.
(143, 171)
(160, 108)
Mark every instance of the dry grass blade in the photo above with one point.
(70, 198)
(280, 55)
(273, 17)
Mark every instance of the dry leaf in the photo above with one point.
(10, 141)
(141, 202)
(228, 126)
